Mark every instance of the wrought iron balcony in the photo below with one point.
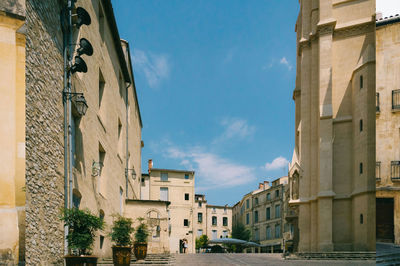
(395, 170)
(395, 99)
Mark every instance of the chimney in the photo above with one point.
(150, 165)
(266, 184)
(261, 186)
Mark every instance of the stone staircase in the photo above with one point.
(339, 255)
(387, 254)
(151, 259)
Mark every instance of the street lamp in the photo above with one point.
(78, 100)
(133, 172)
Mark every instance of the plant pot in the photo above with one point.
(121, 255)
(71, 260)
(140, 250)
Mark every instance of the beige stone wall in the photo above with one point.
(220, 212)
(196, 224)
(102, 128)
(334, 159)
(12, 132)
(180, 208)
(387, 118)
(156, 215)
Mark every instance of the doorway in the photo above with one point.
(385, 220)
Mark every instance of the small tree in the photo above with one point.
(239, 231)
(121, 231)
(201, 242)
(142, 232)
(82, 226)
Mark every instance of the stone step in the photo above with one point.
(388, 259)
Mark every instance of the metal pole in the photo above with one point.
(69, 100)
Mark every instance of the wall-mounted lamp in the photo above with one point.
(133, 172)
(96, 168)
(78, 100)
(81, 17)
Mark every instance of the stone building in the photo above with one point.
(211, 220)
(331, 176)
(261, 212)
(387, 130)
(176, 187)
(12, 132)
(106, 141)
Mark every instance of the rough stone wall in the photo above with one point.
(44, 134)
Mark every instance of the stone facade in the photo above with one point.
(334, 159)
(261, 212)
(211, 220)
(12, 132)
(177, 187)
(387, 130)
(99, 139)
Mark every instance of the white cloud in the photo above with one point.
(155, 67)
(212, 171)
(388, 7)
(286, 63)
(235, 128)
(277, 163)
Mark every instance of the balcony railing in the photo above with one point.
(395, 99)
(395, 170)
(378, 171)
(377, 102)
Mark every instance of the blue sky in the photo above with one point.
(215, 82)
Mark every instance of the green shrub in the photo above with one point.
(82, 226)
(141, 232)
(121, 231)
(202, 241)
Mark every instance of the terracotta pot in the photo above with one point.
(87, 260)
(140, 250)
(121, 255)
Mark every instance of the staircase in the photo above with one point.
(339, 255)
(387, 254)
(151, 259)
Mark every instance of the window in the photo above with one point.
(102, 85)
(200, 217)
(214, 220)
(377, 102)
(256, 234)
(268, 196)
(121, 196)
(276, 193)
(256, 216)
(247, 218)
(361, 219)
(395, 170)
(256, 201)
(268, 213)
(225, 221)
(74, 125)
(186, 176)
(185, 222)
(361, 168)
(101, 241)
(120, 148)
(378, 171)
(164, 176)
(199, 232)
(361, 125)
(164, 193)
(224, 234)
(269, 236)
(277, 231)
(396, 99)
(277, 211)
(101, 22)
(200, 203)
(214, 234)
(361, 82)
(186, 196)
(247, 204)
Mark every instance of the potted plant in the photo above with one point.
(141, 234)
(82, 226)
(121, 235)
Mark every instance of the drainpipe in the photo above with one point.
(127, 150)
(70, 4)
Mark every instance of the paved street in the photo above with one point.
(253, 259)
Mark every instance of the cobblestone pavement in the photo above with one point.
(254, 259)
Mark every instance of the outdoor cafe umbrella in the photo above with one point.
(227, 241)
(251, 244)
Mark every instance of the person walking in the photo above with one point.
(185, 245)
